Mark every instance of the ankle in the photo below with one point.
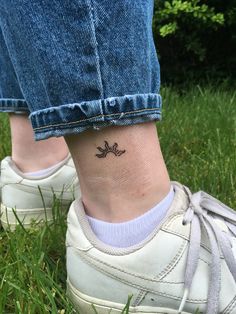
(126, 234)
(121, 170)
(116, 205)
(29, 155)
(33, 163)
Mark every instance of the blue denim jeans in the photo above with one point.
(78, 64)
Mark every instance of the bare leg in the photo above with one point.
(30, 155)
(123, 184)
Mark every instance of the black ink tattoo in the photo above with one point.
(109, 149)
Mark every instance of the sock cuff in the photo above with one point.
(131, 232)
(46, 171)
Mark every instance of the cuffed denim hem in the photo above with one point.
(96, 114)
(12, 105)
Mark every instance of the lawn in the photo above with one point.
(198, 139)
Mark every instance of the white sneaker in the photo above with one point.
(186, 264)
(31, 199)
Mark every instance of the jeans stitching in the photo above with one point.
(101, 115)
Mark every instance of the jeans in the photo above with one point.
(78, 64)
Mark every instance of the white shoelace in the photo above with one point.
(202, 211)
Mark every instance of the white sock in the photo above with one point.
(131, 232)
(45, 172)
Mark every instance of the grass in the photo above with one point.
(198, 139)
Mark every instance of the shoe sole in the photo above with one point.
(37, 216)
(85, 304)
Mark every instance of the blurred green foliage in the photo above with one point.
(195, 39)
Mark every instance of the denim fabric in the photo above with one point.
(11, 98)
(79, 64)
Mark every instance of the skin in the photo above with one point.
(29, 155)
(121, 170)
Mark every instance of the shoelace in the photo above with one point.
(202, 211)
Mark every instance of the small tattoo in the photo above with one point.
(109, 149)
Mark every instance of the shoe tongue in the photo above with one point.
(181, 199)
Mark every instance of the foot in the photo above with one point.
(186, 264)
(31, 199)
